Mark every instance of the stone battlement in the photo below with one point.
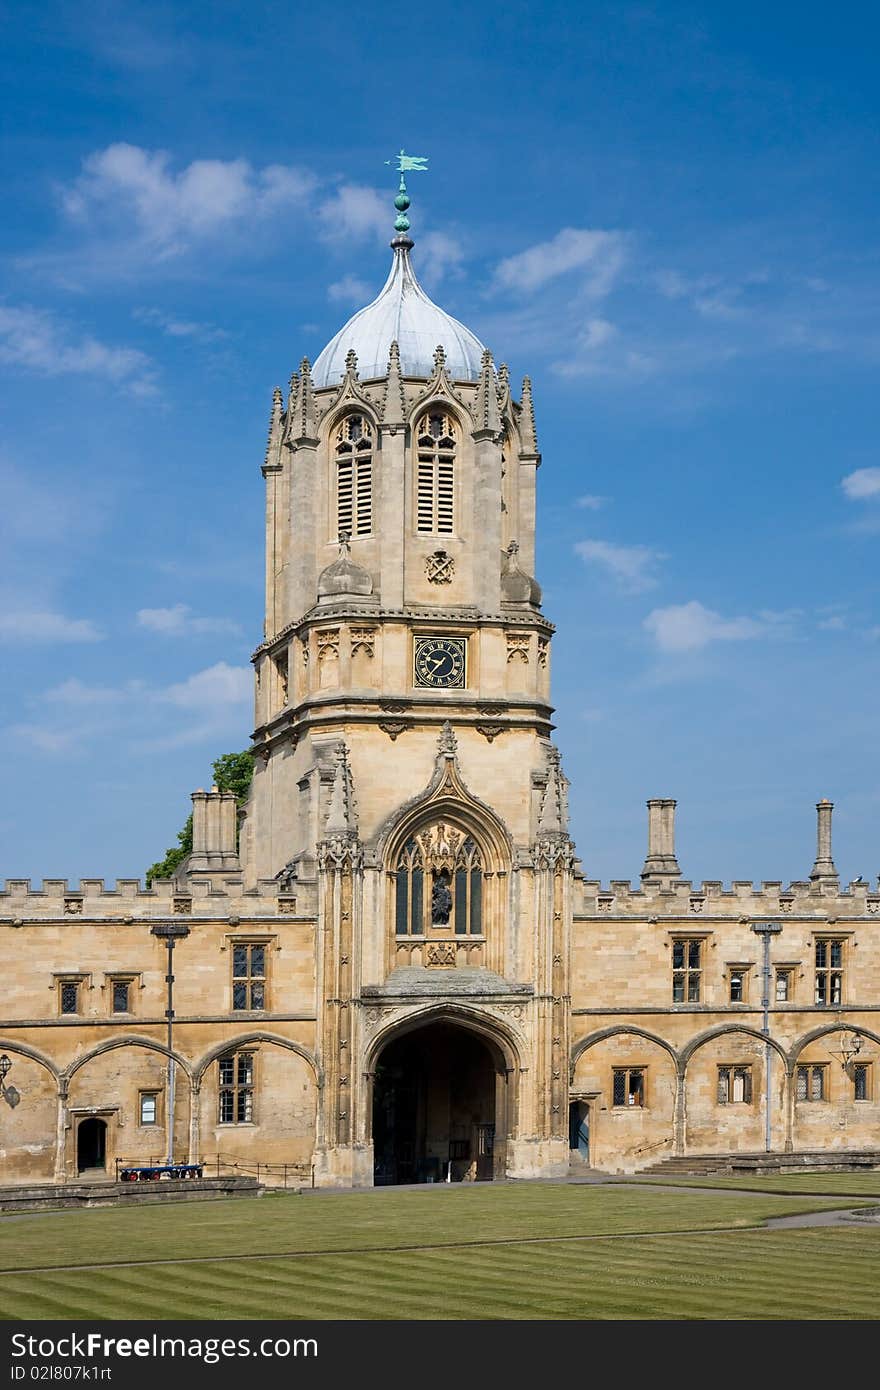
(672, 897)
(125, 899)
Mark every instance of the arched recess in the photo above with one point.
(725, 1091)
(447, 804)
(248, 1040)
(800, 1044)
(102, 1085)
(30, 1127)
(278, 1125)
(627, 1077)
(127, 1040)
(824, 1109)
(447, 1076)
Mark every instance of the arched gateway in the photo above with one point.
(442, 1103)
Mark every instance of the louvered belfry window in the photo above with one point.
(354, 477)
(435, 474)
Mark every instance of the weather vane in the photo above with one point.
(406, 164)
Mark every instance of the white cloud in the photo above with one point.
(439, 255)
(350, 290)
(178, 621)
(75, 692)
(353, 212)
(630, 566)
(34, 339)
(590, 502)
(180, 328)
(594, 333)
(686, 627)
(30, 626)
(864, 483)
(600, 255)
(169, 210)
(217, 685)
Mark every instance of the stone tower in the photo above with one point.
(405, 775)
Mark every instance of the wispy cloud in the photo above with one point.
(180, 328)
(350, 290)
(688, 627)
(597, 255)
(127, 189)
(863, 484)
(591, 502)
(29, 625)
(630, 566)
(210, 704)
(37, 341)
(353, 212)
(179, 621)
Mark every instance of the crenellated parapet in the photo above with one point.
(682, 898)
(126, 901)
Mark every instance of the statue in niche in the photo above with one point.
(441, 900)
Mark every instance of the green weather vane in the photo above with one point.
(406, 164)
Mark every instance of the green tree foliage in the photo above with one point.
(232, 773)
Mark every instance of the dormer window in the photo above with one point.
(354, 476)
(435, 474)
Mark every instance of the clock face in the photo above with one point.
(440, 662)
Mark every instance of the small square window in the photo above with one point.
(862, 1078)
(249, 976)
(811, 1082)
(628, 1087)
(737, 986)
(122, 996)
(148, 1107)
(783, 986)
(734, 1085)
(68, 994)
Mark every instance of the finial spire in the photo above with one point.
(406, 163)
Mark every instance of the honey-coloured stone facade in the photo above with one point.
(395, 968)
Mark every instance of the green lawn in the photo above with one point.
(834, 1184)
(502, 1252)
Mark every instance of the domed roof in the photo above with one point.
(404, 314)
(343, 576)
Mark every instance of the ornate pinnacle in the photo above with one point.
(274, 439)
(307, 412)
(406, 163)
(351, 363)
(528, 433)
(486, 412)
(394, 400)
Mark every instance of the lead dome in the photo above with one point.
(404, 314)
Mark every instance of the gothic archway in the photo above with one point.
(440, 1105)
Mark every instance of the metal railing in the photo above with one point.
(284, 1175)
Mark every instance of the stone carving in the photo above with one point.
(518, 646)
(543, 649)
(441, 901)
(304, 641)
(490, 731)
(328, 644)
(392, 727)
(363, 639)
(440, 567)
(393, 706)
(73, 907)
(287, 905)
(696, 905)
(439, 846)
(183, 906)
(440, 953)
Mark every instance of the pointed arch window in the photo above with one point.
(354, 476)
(439, 885)
(435, 474)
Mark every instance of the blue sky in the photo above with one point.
(666, 214)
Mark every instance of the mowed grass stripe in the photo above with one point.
(377, 1220)
(830, 1184)
(320, 1226)
(771, 1274)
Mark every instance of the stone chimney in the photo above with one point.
(214, 833)
(661, 861)
(823, 869)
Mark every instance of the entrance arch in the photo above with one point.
(440, 1106)
(91, 1144)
